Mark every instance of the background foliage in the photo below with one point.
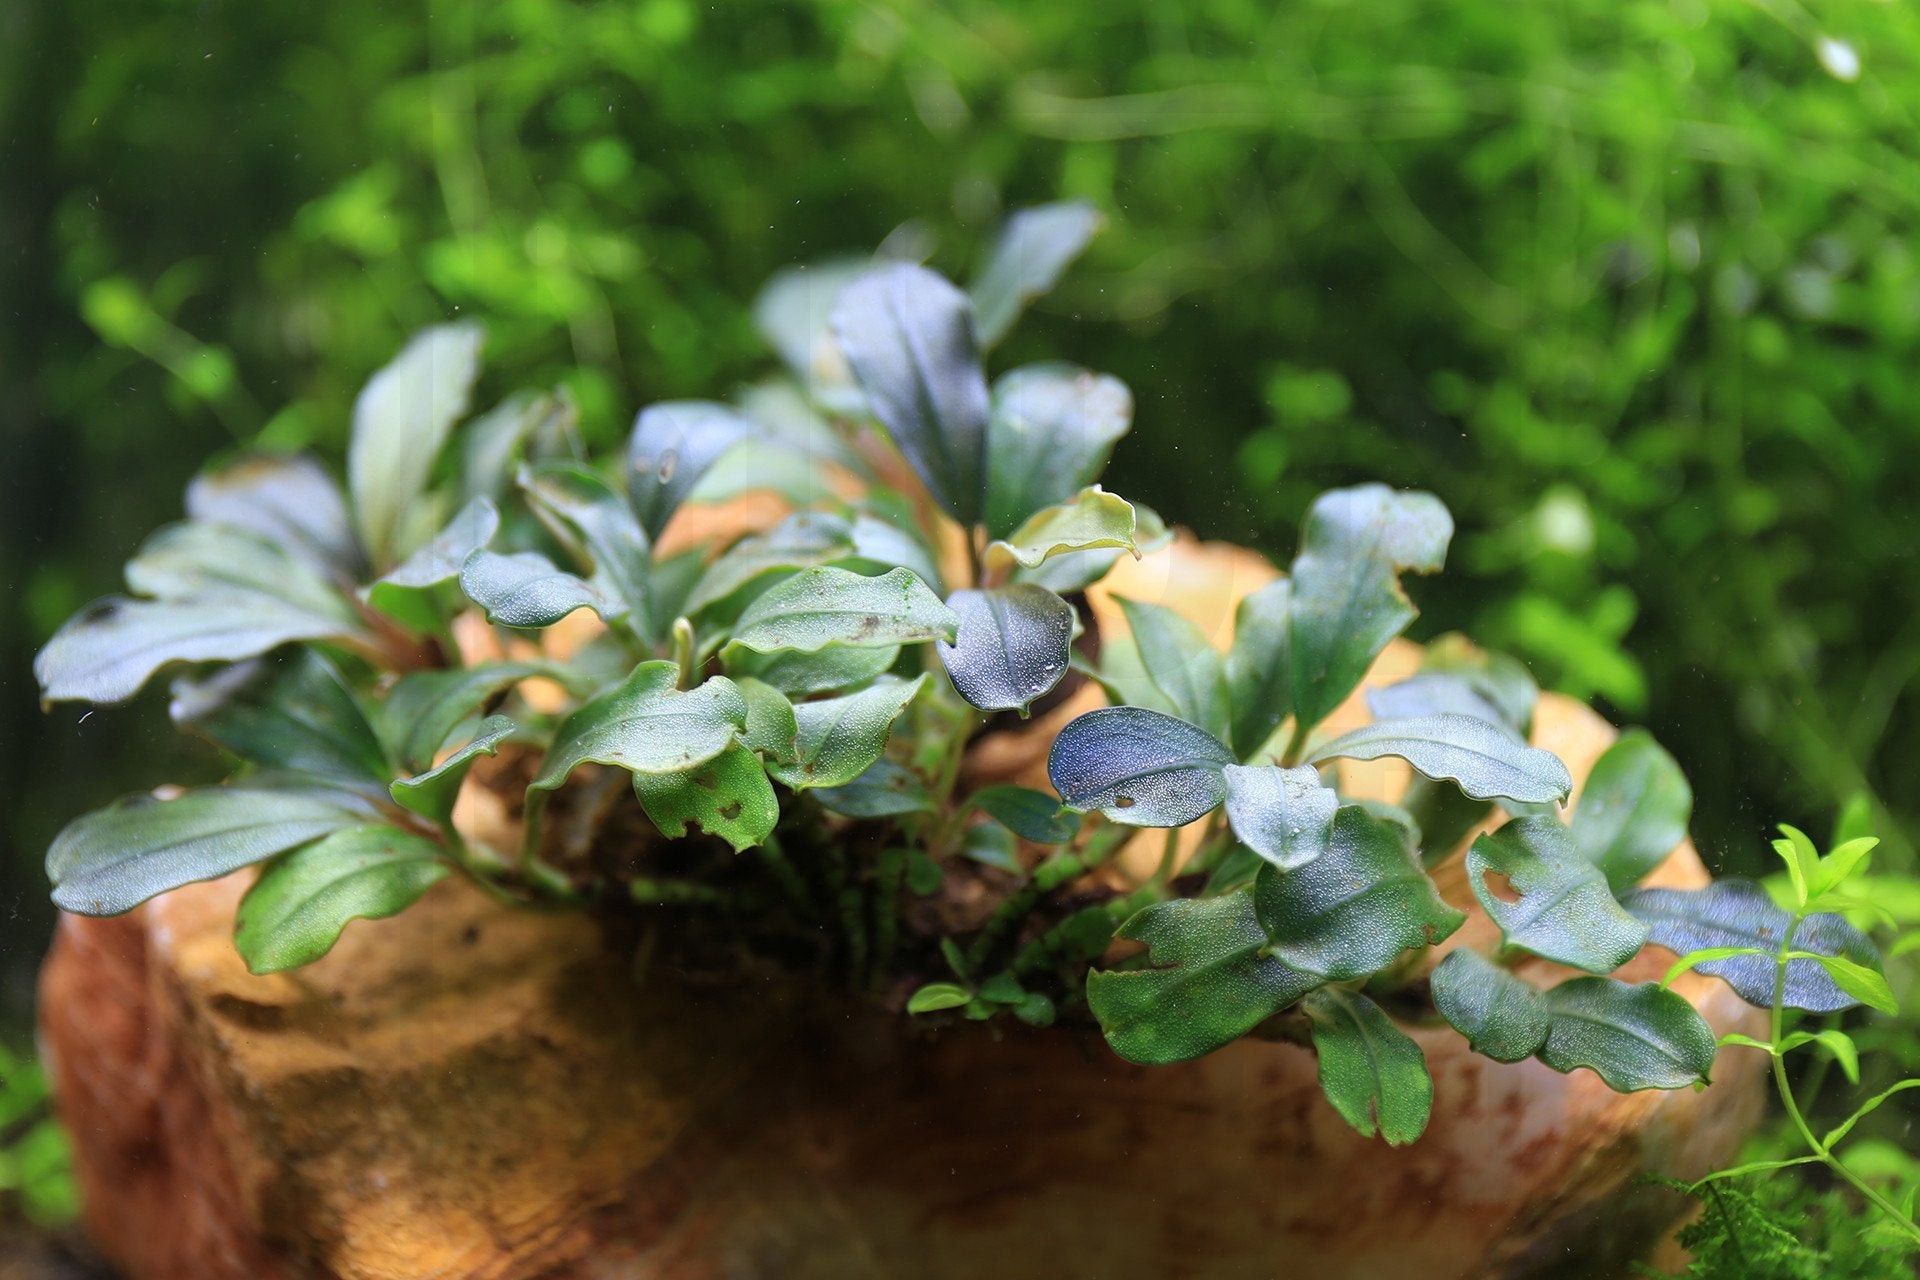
(1629, 283)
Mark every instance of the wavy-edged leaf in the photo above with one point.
(1187, 670)
(1284, 815)
(1565, 912)
(113, 859)
(772, 727)
(431, 794)
(1483, 760)
(884, 544)
(671, 447)
(1350, 911)
(887, 789)
(527, 590)
(646, 725)
(1346, 599)
(196, 560)
(1734, 913)
(401, 421)
(588, 512)
(295, 911)
(728, 796)
(1072, 571)
(801, 541)
(1013, 645)
(108, 650)
(1633, 809)
(398, 594)
(825, 606)
(1633, 1037)
(1371, 1071)
(288, 498)
(1209, 981)
(1258, 667)
(1500, 678)
(908, 336)
(1502, 1017)
(1090, 520)
(424, 707)
(287, 710)
(840, 738)
(1437, 693)
(1029, 814)
(1139, 767)
(1051, 430)
(1034, 248)
(797, 674)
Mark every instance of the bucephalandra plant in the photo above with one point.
(765, 732)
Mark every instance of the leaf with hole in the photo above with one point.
(1032, 251)
(1739, 913)
(1352, 910)
(431, 794)
(114, 859)
(1371, 1071)
(1284, 815)
(1209, 980)
(296, 910)
(287, 710)
(1633, 809)
(1346, 599)
(672, 445)
(401, 421)
(1484, 761)
(646, 725)
(728, 796)
(908, 336)
(1502, 1017)
(840, 738)
(816, 608)
(1139, 767)
(1633, 1037)
(1565, 911)
(1013, 645)
(1051, 429)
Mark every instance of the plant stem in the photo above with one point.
(1295, 745)
(1061, 868)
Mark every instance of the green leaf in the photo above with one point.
(1566, 912)
(297, 908)
(441, 560)
(1840, 865)
(114, 859)
(1708, 955)
(772, 726)
(1738, 913)
(424, 707)
(536, 423)
(1034, 247)
(1633, 810)
(400, 423)
(1857, 980)
(1210, 981)
(287, 710)
(1502, 1017)
(1871, 1105)
(1436, 693)
(908, 336)
(1634, 1037)
(885, 790)
(880, 545)
(840, 738)
(1258, 668)
(1834, 1041)
(1072, 571)
(1013, 645)
(585, 510)
(431, 794)
(671, 447)
(797, 674)
(820, 607)
(1090, 520)
(288, 499)
(645, 725)
(529, 591)
(936, 996)
(1350, 911)
(1284, 815)
(792, 311)
(1802, 861)
(1499, 678)
(1482, 760)
(1029, 814)
(991, 845)
(1187, 670)
(1346, 599)
(728, 796)
(1139, 767)
(802, 540)
(108, 650)
(1371, 1071)
(196, 560)
(1051, 430)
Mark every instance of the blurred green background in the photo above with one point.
(1632, 284)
